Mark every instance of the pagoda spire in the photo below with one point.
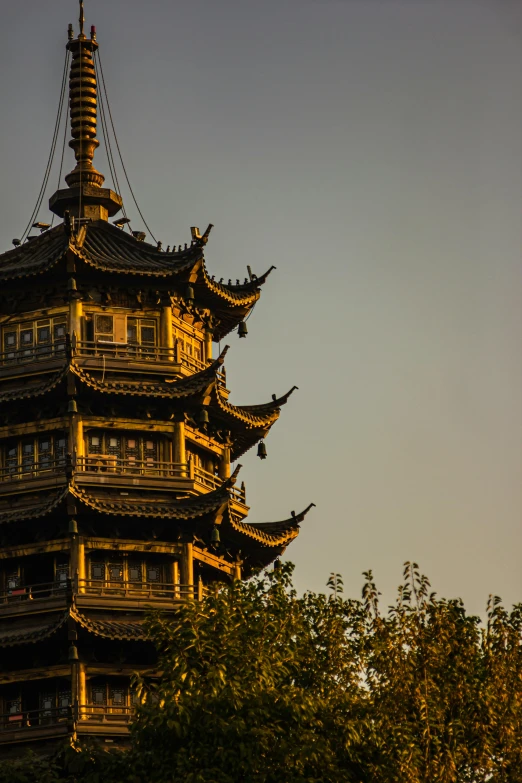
(82, 18)
(85, 197)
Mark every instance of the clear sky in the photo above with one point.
(371, 150)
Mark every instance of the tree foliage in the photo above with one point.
(262, 685)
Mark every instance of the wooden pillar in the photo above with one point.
(208, 346)
(82, 689)
(75, 683)
(187, 567)
(77, 436)
(77, 563)
(75, 317)
(166, 331)
(179, 453)
(81, 565)
(175, 578)
(224, 463)
(237, 571)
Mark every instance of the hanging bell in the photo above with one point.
(214, 536)
(242, 329)
(73, 653)
(71, 284)
(73, 527)
(72, 407)
(203, 417)
(189, 293)
(261, 450)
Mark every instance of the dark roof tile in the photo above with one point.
(127, 629)
(36, 256)
(110, 249)
(20, 632)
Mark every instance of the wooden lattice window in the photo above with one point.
(99, 695)
(135, 571)
(14, 706)
(191, 346)
(34, 339)
(97, 571)
(61, 574)
(137, 334)
(110, 696)
(130, 452)
(115, 571)
(34, 455)
(141, 333)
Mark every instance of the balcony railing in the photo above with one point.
(144, 590)
(102, 713)
(36, 592)
(196, 365)
(148, 353)
(29, 468)
(33, 353)
(132, 352)
(110, 465)
(57, 716)
(31, 718)
(107, 350)
(128, 466)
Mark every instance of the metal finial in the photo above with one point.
(82, 17)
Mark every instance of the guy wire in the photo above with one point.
(119, 150)
(63, 153)
(52, 151)
(108, 146)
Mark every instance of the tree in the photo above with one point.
(258, 684)
(261, 685)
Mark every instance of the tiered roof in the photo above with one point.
(96, 253)
(98, 246)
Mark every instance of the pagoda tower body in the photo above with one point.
(116, 441)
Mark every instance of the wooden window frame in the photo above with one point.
(56, 456)
(117, 458)
(37, 349)
(106, 558)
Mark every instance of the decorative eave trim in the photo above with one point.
(28, 392)
(269, 407)
(36, 511)
(111, 629)
(199, 383)
(244, 296)
(185, 509)
(275, 534)
(254, 416)
(31, 636)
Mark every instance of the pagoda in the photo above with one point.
(116, 443)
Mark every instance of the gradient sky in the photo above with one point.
(371, 150)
